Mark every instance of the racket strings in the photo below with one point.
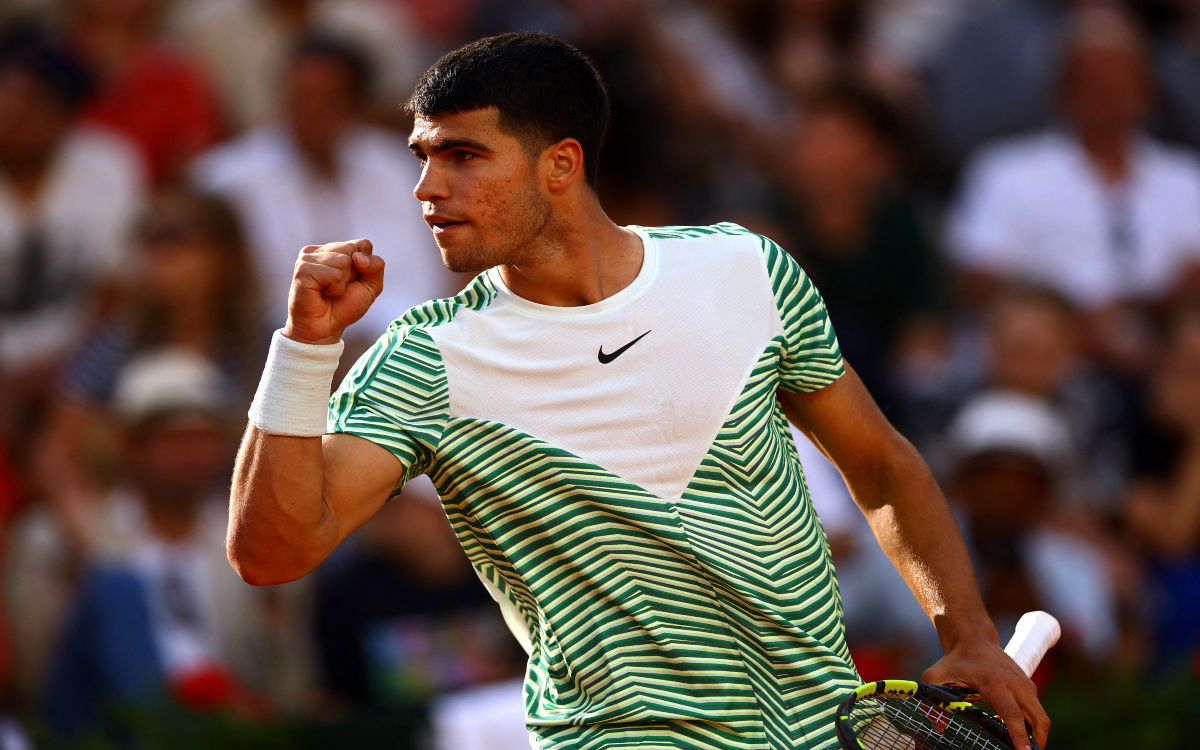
(893, 723)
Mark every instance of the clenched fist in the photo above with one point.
(333, 286)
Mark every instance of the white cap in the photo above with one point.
(168, 380)
(1010, 422)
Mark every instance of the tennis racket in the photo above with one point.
(904, 715)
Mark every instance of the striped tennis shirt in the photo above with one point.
(623, 480)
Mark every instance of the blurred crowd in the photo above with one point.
(998, 199)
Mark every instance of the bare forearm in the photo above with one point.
(296, 498)
(891, 483)
(279, 525)
(918, 532)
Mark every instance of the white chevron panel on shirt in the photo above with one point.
(706, 310)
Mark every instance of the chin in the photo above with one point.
(463, 260)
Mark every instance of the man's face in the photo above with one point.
(1106, 88)
(480, 191)
(176, 457)
(835, 152)
(32, 120)
(1002, 492)
(1032, 347)
(320, 101)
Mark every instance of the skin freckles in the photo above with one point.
(480, 191)
(495, 199)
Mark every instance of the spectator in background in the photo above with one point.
(1163, 505)
(159, 608)
(245, 47)
(144, 89)
(1095, 209)
(322, 175)
(1010, 451)
(192, 289)
(1035, 341)
(402, 616)
(858, 233)
(68, 197)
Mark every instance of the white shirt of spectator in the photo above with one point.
(1035, 209)
(85, 212)
(179, 597)
(285, 207)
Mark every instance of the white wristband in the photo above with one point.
(293, 394)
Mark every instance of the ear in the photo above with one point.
(563, 163)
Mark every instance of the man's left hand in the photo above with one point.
(982, 665)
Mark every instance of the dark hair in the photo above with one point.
(343, 52)
(868, 108)
(1041, 296)
(55, 69)
(545, 90)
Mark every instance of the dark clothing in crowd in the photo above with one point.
(386, 639)
(107, 655)
(90, 375)
(1175, 582)
(872, 289)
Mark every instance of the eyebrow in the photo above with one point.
(450, 143)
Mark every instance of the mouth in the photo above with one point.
(442, 224)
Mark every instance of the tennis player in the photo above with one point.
(602, 410)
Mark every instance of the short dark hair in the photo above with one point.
(343, 52)
(869, 109)
(544, 89)
(63, 75)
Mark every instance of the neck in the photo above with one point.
(322, 163)
(838, 219)
(26, 176)
(585, 258)
(320, 154)
(193, 324)
(1109, 152)
(172, 518)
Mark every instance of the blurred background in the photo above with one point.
(999, 200)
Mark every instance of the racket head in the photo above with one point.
(906, 715)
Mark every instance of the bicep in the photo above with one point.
(359, 477)
(843, 422)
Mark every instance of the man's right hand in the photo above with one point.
(333, 287)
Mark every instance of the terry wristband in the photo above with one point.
(293, 394)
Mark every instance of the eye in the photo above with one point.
(463, 155)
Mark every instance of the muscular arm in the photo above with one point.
(295, 499)
(892, 485)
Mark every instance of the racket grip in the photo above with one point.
(1036, 633)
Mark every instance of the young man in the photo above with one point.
(602, 411)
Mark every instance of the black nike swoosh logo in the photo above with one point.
(606, 358)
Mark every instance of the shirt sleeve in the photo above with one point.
(811, 358)
(396, 396)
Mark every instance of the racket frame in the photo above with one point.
(944, 697)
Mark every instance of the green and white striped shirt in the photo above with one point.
(624, 481)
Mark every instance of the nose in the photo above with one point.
(432, 185)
